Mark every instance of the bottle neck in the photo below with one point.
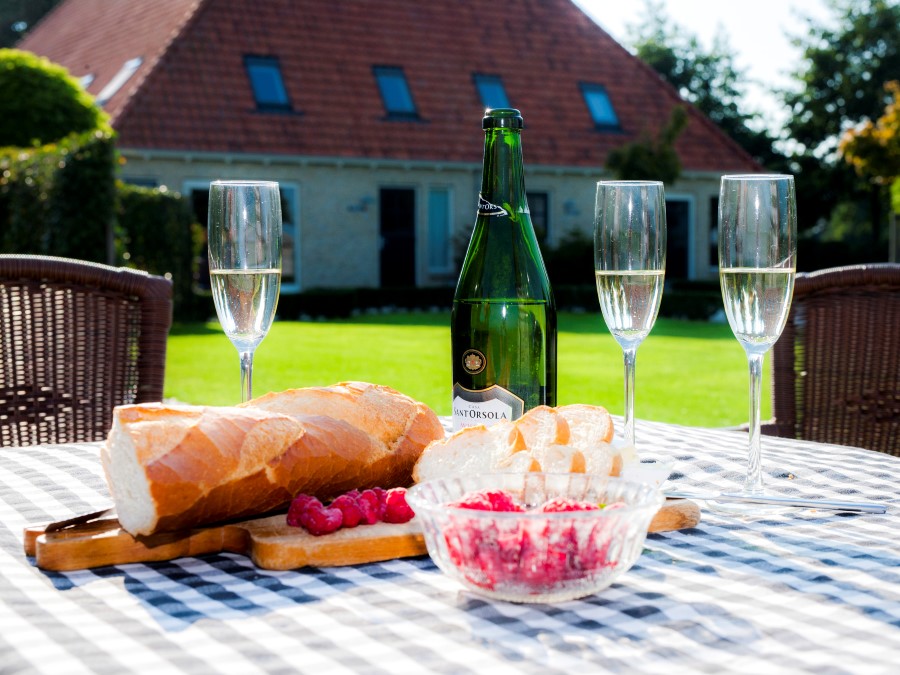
(503, 178)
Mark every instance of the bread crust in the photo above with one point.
(171, 467)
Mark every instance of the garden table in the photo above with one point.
(804, 591)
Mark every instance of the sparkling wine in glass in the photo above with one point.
(245, 263)
(630, 264)
(757, 264)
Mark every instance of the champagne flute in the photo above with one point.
(757, 264)
(245, 263)
(630, 265)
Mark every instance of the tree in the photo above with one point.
(18, 16)
(841, 77)
(649, 158)
(873, 148)
(844, 67)
(707, 79)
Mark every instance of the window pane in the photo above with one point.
(537, 205)
(266, 81)
(713, 231)
(395, 91)
(491, 90)
(439, 229)
(288, 235)
(599, 105)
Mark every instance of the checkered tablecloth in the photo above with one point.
(807, 591)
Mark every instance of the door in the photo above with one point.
(397, 214)
(678, 213)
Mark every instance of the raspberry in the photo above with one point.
(396, 510)
(298, 506)
(351, 512)
(318, 520)
(370, 506)
(487, 500)
(563, 505)
(381, 493)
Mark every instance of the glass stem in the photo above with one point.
(246, 376)
(630, 356)
(754, 482)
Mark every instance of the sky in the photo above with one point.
(758, 30)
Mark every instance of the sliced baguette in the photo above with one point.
(573, 438)
(469, 451)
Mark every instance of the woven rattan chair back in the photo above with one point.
(836, 367)
(76, 340)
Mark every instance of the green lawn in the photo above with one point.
(687, 372)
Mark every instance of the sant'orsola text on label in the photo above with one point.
(487, 406)
(486, 208)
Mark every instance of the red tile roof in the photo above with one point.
(192, 92)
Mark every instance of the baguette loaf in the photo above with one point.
(171, 467)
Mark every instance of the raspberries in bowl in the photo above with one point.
(534, 537)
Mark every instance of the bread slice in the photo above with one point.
(469, 451)
(573, 438)
(541, 427)
(559, 459)
(589, 425)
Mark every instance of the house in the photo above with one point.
(369, 116)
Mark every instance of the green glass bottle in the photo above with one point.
(503, 324)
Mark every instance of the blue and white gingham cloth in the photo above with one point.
(799, 592)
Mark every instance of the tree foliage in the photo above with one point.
(845, 64)
(708, 79)
(18, 16)
(873, 148)
(41, 103)
(651, 158)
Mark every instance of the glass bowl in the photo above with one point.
(533, 556)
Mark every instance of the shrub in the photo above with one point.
(57, 188)
(157, 233)
(58, 199)
(41, 102)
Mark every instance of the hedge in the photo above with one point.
(156, 233)
(59, 198)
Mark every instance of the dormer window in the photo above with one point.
(491, 91)
(267, 84)
(395, 93)
(119, 79)
(599, 105)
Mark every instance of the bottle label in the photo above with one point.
(487, 406)
(485, 208)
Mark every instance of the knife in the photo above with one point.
(827, 504)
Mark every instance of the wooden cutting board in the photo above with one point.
(269, 542)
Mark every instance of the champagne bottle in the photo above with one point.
(503, 324)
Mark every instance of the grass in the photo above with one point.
(687, 372)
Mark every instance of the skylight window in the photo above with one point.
(491, 90)
(268, 86)
(600, 107)
(395, 93)
(119, 79)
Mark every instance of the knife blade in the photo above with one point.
(776, 500)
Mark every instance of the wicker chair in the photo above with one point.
(836, 367)
(76, 340)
